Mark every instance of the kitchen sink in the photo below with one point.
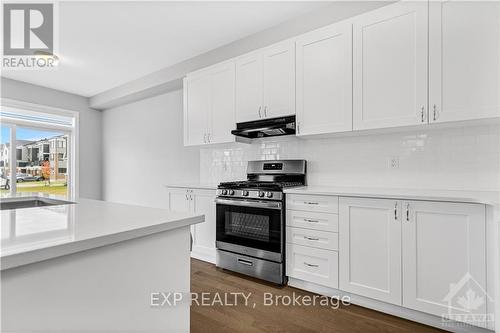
(30, 202)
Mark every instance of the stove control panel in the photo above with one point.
(250, 194)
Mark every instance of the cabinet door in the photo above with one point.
(443, 256)
(178, 199)
(279, 80)
(196, 109)
(370, 248)
(204, 233)
(249, 88)
(390, 66)
(464, 42)
(324, 80)
(222, 108)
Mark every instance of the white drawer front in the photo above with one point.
(313, 265)
(314, 238)
(313, 203)
(312, 220)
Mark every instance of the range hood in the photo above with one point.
(265, 128)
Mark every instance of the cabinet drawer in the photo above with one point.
(312, 220)
(314, 238)
(312, 265)
(313, 203)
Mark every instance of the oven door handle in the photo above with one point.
(245, 203)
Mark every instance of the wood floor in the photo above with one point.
(206, 278)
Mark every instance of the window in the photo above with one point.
(43, 160)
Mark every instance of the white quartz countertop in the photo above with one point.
(202, 186)
(482, 197)
(30, 235)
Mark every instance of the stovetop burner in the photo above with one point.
(259, 185)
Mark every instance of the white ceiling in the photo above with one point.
(105, 44)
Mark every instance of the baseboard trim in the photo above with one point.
(391, 309)
(203, 253)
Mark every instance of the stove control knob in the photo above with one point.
(244, 193)
(224, 192)
(269, 194)
(231, 192)
(261, 194)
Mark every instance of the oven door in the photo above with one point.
(250, 227)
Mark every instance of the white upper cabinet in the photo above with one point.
(464, 53)
(196, 109)
(209, 105)
(249, 87)
(222, 119)
(279, 80)
(390, 66)
(370, 248)
(324, 80)
(444, 246)
(265, 83)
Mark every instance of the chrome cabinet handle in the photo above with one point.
(205, 138)
(408, 212)
(310, 265)
(422, 114)
(260, 107)
(396, 211)
(434, 109)
(187, 195)
(265, 111)
(311, 238)
(298, 128)
(208, 137)
(311, 221)
(311, 203)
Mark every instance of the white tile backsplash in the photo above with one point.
(466, 158)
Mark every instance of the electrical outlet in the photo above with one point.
(394, 162)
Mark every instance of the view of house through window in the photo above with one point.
(36, 154)
(42, 161)
(4, 160)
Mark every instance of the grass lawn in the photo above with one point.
(58, 188)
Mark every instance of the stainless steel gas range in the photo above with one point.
(251, 219)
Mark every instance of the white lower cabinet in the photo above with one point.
(423, 255)
(444, 258)
(312, 264)
(199, 201)
(370, 248)
(312, 239)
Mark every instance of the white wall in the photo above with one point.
(143, 150)
(453, 158)
(90, 127)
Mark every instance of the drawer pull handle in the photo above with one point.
(311, 221)
(245, 262)
(311, 238)
(310, 265)
(311, 203)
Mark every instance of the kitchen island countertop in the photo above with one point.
(35, 234)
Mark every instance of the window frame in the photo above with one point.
(72, 132)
